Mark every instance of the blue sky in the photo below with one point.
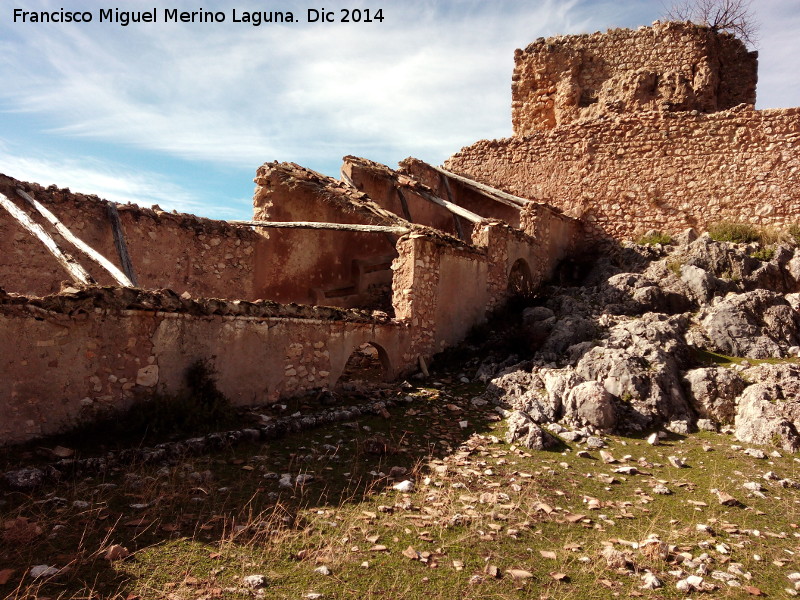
(181, 115)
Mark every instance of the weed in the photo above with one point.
(740, 233)
(674, 266)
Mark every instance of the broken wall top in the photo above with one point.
(667, 67)
(288, 192)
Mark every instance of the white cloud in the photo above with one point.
(108, 181)
(423, 81)
(433, 77)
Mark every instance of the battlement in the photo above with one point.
(667, 67)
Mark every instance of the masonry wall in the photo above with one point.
(185, 253)
(385, 187)
(667, 67)
(66, 357)
(311, 266)
(628, 174)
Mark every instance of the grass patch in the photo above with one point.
(740, 233)
(655, 238)
(479, 509)
(794, 233)
(674, 266)
(709, 358)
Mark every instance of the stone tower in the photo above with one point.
(667, 67)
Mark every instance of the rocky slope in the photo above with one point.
(695, 334)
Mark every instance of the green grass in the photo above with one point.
(485, 504)
(710, 358)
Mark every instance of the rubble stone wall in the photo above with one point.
(668, 67)
(65, 359)
(628, 174)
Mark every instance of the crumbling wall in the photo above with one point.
(628, 174)
(667, 67)
(400, 194)
(65, 357)
(463, 195)
(181, 252)
(289, 192)
(333, 268)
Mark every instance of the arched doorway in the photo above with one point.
(520, 280)
(368, 364)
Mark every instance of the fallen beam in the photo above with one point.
(320, 225)
(494, 193)
(75, 270)
(64, 232)
(451, 206)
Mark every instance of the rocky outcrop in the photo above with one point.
(757, 324)
(626, 351)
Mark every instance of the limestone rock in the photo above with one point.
(25, 479)
(525, 391)
(712, 392)
(523, 430)
(756, 324)
(762, 419)
(639, 364)
(590, 404)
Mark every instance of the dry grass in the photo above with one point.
(484, 520)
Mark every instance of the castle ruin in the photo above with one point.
(614, 134)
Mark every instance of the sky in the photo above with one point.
(182, 114)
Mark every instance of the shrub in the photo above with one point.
(199, 408)
(764, 254)
(651, 239)
(794, 231)
(740, 233)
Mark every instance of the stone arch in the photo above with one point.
(368, 363)
(520, 279)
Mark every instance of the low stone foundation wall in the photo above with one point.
(64, 357)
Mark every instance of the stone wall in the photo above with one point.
(184, 253)
(627, 174)
(65, 357)
(667, 67)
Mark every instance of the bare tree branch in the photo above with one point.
(733, 16)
